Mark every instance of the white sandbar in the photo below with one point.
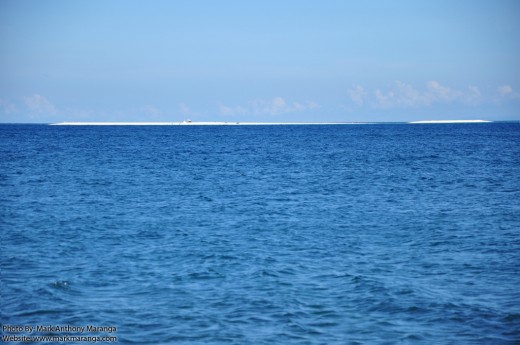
(185, 123)
(449, 121)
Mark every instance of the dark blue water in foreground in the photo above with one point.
(264, 234)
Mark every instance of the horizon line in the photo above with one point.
(239, 123)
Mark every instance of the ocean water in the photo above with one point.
(368, 234)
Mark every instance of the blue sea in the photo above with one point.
(318, 234)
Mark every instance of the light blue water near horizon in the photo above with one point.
(388, 233)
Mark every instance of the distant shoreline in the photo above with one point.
(450, 121)
(186, 123)
(237, 123)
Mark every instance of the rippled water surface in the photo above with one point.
(264, 234)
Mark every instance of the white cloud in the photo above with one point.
(473, 96)
(312, 105)
(505, 90)
(357, 94)
(151, 111)
(278, 102)
(7, 107)
(185, 110)
(39, 104)
(402, 95)
(407, 96)
(275, 106)
(437, 92)
(384, 100)
(236, 110)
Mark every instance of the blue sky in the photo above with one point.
(266, 60)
